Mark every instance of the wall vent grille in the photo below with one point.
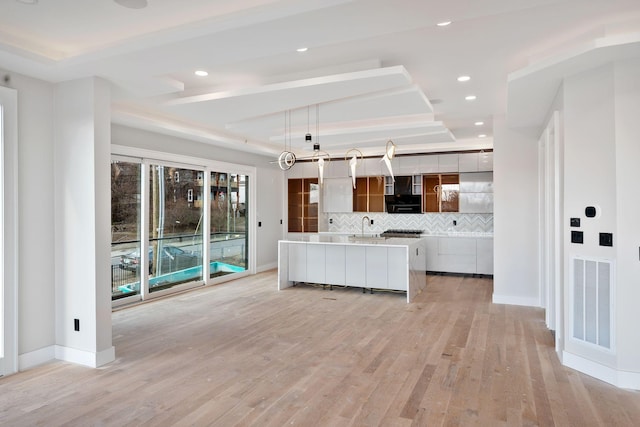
(592, 302)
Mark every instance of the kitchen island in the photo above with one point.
(366, 262)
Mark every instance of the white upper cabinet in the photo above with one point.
(485, 162)
(448, 163)
(303, 170)
(468, 162)
(337, 195)
(429, 164)
(408, 165)
(372, 166)
(336, 169)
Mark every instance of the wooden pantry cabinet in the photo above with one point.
(302, 197)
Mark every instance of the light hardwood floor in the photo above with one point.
(242, 353)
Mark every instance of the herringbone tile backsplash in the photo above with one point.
(436, 222)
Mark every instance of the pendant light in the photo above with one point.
(353, 163)
(319, 156)
(287, 158)
(389, 153)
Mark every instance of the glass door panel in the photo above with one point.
(228, 221)
(175, 226)
(125, 230)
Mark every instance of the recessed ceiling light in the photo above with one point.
(133, 4)
(478, 123)
(482, 135)
(27, 1)
(443, 23)
(464, 78)
(201, 73)
(302, 49)
(470, 97)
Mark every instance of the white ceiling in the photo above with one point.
(374, 70)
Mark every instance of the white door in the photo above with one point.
(8, 227)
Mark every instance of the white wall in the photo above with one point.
(515, 186)
(270, 181)
(36, 310)
(627, 237)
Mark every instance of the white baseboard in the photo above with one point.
(511, 300)
(35, 358)
(86, 358)
(266, 267)
(622, 379)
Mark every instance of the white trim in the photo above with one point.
(36, 357)
(9, 235)
(623, 379)
(267, 267)
(512, 300)
(86, 358)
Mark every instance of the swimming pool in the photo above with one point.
(182, 276)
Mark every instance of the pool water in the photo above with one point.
(193, 273)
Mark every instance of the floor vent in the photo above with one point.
(592, 311)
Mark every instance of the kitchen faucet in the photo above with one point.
(368, 222)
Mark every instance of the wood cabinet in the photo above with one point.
(302, 197)
(368, 196)
(440, 192)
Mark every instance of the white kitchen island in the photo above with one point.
(370, 263)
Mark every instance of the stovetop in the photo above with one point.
(402, 233)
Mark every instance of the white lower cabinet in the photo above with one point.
(376, 267)
(432, 254)
(484, 256)
(356, 260)
(297, 262)
(335, 265)
(459, 255)
(316, 268)
(397, 268)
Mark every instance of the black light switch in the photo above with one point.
(577, 237)
(575, 222)
(606, 239)
(590, 211)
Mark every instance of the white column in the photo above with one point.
(82, 221)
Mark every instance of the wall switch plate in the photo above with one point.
(575, 222)
(590, 211)
(577, 237)
(76, 325)
(606, 239)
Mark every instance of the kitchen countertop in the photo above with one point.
(351, 239)
(481, 234)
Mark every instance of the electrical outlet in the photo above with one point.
(455, 222)
(371, 222)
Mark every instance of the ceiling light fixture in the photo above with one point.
(464, 78)
(286, 158)
(478, 123)
(201, 73)
(443, 23)
(31, 2)
(353, 163)
(132, 4)
(482, 135)
(302, 49)
(470, 97)
(389, 153)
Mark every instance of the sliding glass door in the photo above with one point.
(125, 228)
(169, 219)
(228, 223)
(175, 226)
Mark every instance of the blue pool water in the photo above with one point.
(185, 275)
